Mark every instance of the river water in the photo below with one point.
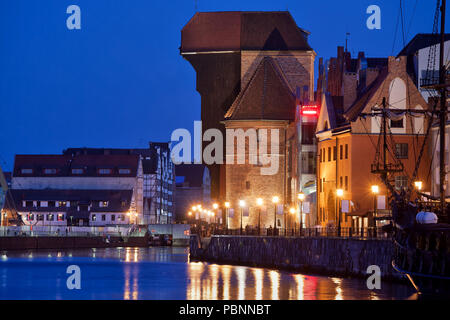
(167, 273)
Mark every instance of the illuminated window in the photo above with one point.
(401, 182)
(104, 171)
(50, 171)
(124, 171)
(26, 171)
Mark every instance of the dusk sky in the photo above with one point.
(120, 80)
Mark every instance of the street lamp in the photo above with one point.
(227, 207)
(340, 194)
(242, 205)
(275, 201)
(301, 198)
(418, 185)
(259, 202)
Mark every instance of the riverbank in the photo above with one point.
(42, 242)
(321, 255)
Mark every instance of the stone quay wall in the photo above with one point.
(327, 256)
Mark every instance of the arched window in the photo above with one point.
(397, 100)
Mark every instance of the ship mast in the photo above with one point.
(443, 111)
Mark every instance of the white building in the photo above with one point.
(77, 189)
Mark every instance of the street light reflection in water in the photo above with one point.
(167, 273)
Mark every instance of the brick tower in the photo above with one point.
(225, 49)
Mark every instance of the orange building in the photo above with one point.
(348, 144)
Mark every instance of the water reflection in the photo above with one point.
(167, 273)
(217, 282)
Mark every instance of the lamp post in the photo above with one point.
(259, 202)
(241, 205)
(275, 201)
(340, 194)
(292, 211)
(375, 191)
(227, 207)
(301, 198)
(215, 207)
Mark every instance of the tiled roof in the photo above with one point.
(118, 200)
(266, 96)
(358, 106)
(236, 30)
(420, 41)
(65, 163)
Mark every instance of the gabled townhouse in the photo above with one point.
(348, 145)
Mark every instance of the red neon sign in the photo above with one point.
(309, 111)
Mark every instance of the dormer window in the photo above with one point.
(103, 204)
(77, 171)
(50, 171)
(104, 171)
(26, 171)
(124, 171)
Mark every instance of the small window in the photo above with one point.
(340, 182)
(397, 123)
(51, 204)
(247, 185)
(50, 171)
(50, 217)
(104, 171)
(93, 217)
(60, 217)
(124, 171)
(43, 204)
(77, 171)
(103, 204)
(26, 171)
(103, 217)
(113, 217)
(329, 154)
(30, 217)
(62, 203)
(346, 183)
(334, 153)
(346, 151)
(40, 217)
(341, 153)
(401, 182)
(29, 204)
(401, 150)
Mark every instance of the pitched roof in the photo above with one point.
(192, 173)
(118, 200)
(240, 30)
(64, 163)
(420, 41)
(266, 96)
(358, 106)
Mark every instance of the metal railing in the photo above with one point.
(56, 231)
(331, 232)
